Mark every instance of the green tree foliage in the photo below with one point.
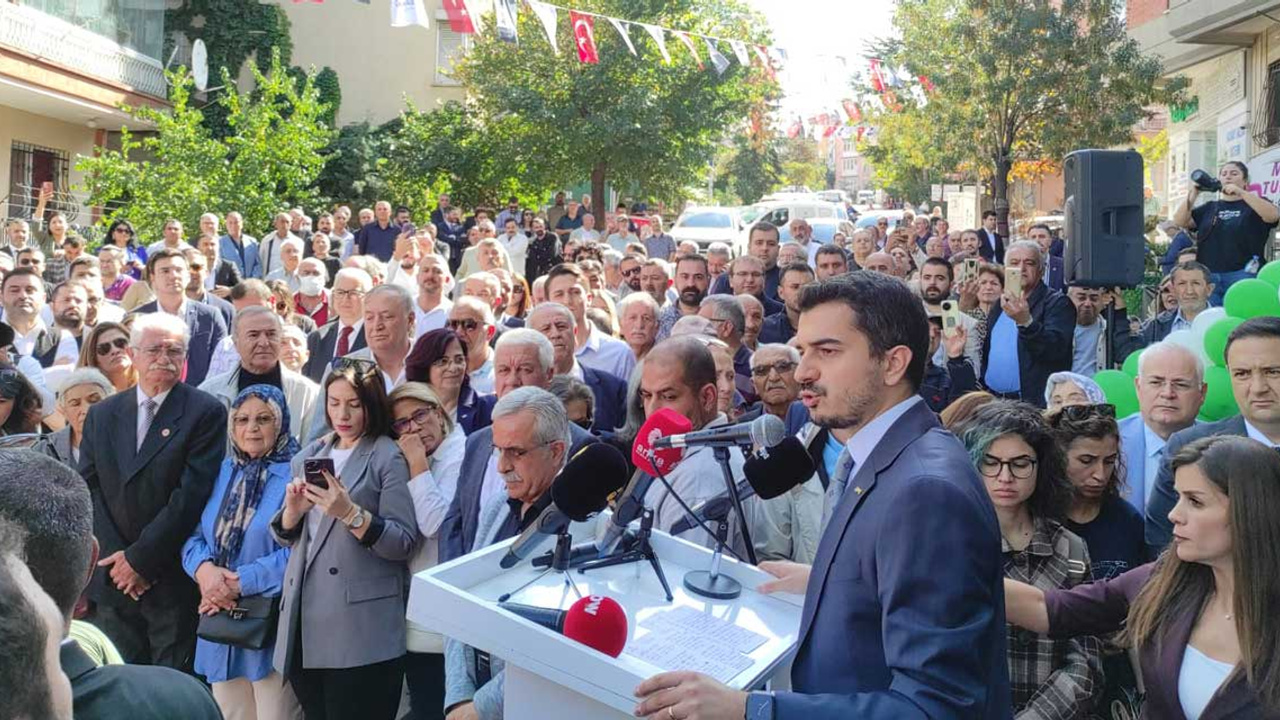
(270, 158)
(632, 121)
(753, 168)
(906, 161)
(1017, 80)
(801, 165)
(355, 165)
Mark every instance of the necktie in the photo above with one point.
(344, 341)
(835, 488)
(149, 416)
(266, 261)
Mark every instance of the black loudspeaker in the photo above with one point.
(1104, 218)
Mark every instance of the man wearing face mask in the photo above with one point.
(312, 299)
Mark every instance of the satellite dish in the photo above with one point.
(200, 65)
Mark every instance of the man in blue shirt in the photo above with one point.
(378, 238)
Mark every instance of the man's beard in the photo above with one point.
(858, 403)
(691, 296)
(933, 296)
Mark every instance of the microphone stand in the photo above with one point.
(710, 583)
(731, 487)
(560, 560)
(641, 549)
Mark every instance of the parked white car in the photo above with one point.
(705, 225)
(781, 213)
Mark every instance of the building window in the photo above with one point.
(1266, 124)
(449, 47)
(30, 166)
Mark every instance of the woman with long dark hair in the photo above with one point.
(439, 359)
(1203, 617)
(120, 233)
(20, 403)
(106, 348)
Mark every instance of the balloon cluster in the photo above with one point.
(1207, 337)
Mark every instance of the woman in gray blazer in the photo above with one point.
(341, 638)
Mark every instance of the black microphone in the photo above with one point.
(764, 431)
(627, 508)
(770, 473)
(580, 490)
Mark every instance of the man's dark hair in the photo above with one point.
(90, 260)
(951, 272)
(23, 635)
(1192, 265)
(50, 502)
(690, 257)
(1258, 327)
(797, 267)
(448, 209)
(884, 310)
(831, 249)
(572, 269)
(988, 213)
(403, 209)
(513, 200)
(22, 272)
(73, 240)
(162, 254)
(765, 226)
(1040, 226)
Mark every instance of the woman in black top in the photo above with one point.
(1230, 231)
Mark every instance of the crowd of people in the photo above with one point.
(438, 372)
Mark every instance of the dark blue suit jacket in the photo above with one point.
(458, 531)
(611, 398)
(206, 329)
(1056, 277)
(1163, 495)
(222, 306)
(904, 613)
(475, 410)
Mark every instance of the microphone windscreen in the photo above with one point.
(598, 622)
(788, 464)
(662, 423)
(767, 431)
(583, 487)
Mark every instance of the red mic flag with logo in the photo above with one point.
(584, 36)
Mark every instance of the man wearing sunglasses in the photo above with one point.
(472, 318)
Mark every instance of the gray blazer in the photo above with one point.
(57, 445)
(355, 595)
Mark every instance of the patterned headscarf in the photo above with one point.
(249, 475)
(1090, 388)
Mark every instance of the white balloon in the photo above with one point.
(1205, 319)
(1185, 338)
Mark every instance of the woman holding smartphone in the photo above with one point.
(350, 522)
(1203, 617)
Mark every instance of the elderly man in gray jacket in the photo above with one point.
(531, 440)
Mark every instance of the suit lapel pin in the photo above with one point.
(164, 432)
(857, 490)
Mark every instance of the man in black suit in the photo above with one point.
(205, 327)
(150, 456)
(556, 323)
(225, 274)
(344, 335)
(992, 247)
(1055, 275)
(197, 288)
(52, 504)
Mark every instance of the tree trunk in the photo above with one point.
(597, 193)
(1000, 194)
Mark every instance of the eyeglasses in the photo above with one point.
(467, 325)
(1179, 386)
(1021, 467)
(417, 419)
(744, 274)
(105, 347)
(632, 271)
(362, 367)
(169, 351)
(783, 367)
(1076, 413)
(353, 294)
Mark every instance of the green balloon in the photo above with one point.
(1219, 402)
(1215, 339)
(1270, 273)
(1252, 298)
(1130, 366)
(1118, 387)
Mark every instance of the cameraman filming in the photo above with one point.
(1232, 230)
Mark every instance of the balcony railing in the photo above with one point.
(60, 42)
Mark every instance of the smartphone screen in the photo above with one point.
(313, 470)
(1013, 281)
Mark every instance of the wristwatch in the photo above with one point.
(357, 522)
(760, 706)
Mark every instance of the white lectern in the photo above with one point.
(550, 677)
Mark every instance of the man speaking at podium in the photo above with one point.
(904, 611)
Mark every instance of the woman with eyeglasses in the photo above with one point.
(1110, 527)
(433, 445)
(80, 390)
(1022, 467)
(439, 359)
(106, 348)
(341, 641)
(120, 234)
(1203, 616)
(232, 556)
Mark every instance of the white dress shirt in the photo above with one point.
(141, 397)
(864, 442)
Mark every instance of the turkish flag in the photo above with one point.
(584, 36)
(459, 17)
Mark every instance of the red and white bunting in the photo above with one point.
(584, 37)
(688, 42)
(659, 36)
(546, 15)
(621, 27)
(459, 17)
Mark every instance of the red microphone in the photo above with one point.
(662, 423)
(596, 621)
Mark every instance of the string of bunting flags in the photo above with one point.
(884, 84)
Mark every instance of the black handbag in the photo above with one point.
(250, 625)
